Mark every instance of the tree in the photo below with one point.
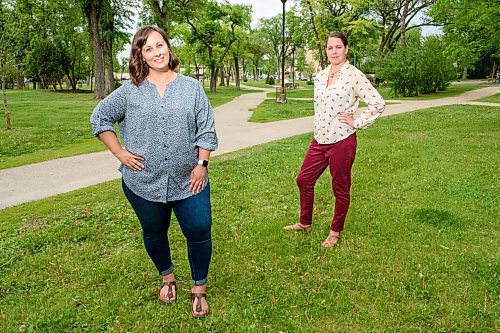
(93, 10)
(48, 63)
(471, 29)
(257, 49)
(272, 33)
(395, 17)
(106, 21)
(8, 29)
(214, 26)
(297, 36)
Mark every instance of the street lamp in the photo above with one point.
(282, 97)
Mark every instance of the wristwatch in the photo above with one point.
(203, 162)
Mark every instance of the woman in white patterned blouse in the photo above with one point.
(337, 90)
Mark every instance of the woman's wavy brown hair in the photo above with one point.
(138, 68)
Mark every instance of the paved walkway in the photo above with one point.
(41, 180)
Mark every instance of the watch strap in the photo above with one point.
(203, 163)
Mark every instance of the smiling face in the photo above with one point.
(336, 51)
(155, 52)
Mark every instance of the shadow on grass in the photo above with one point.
(436, 217)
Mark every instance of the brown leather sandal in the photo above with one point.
(331, 241)
(170, 291)
(298, 227)
(198, 297)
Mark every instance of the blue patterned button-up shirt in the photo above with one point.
(166, 131)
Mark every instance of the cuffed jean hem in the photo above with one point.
(200, 282)
(170, 270)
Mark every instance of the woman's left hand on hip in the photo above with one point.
(346, 118)
(197, 179)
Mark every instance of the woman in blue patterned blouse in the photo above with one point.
(167, 130)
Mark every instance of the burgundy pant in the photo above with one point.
(340, 157)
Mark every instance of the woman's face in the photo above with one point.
(155, 52)
(336, 51)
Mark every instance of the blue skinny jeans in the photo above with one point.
(195, 219)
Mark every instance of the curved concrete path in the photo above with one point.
(41, 180)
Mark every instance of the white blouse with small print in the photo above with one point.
(343, 96)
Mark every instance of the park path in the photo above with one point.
(40, 180)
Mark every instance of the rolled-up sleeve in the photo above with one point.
(110, 110)
(206, 138)
(376, 104)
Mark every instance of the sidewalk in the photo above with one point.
(41, 180)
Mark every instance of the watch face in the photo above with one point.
(203, 162)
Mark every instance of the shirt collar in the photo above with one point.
(343, 70)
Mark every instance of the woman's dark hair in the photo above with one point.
(138, 68)
(338, 34)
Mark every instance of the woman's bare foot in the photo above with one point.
(168, 290)
(332, 239)
(298, 227)
(199, 305)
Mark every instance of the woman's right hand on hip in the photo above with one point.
(130, 160)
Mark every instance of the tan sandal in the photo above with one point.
(331, 240)
(170, 292)
(197, 297)
(298, 227)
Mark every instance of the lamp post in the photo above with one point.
(282, 97)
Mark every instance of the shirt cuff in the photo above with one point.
(101, 129)
(357, 123)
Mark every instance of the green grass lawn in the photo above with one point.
(269, 110)
(451, 91)
(419, 253)
(490, 99)
(48, 125)
(296, 93)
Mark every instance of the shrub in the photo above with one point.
(421, 67)
(270, 80)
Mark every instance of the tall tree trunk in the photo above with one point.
(213, 79)
(19, 78)
(160, 14)
(237, 73)
(109, 78)
(316, 35)
(230, 72)
(6, 106)
(222, 83)
(94, 15)
(197, 69)
(402, 23)
(464, 74)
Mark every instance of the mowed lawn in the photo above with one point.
(419, 253)
(48, 125)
